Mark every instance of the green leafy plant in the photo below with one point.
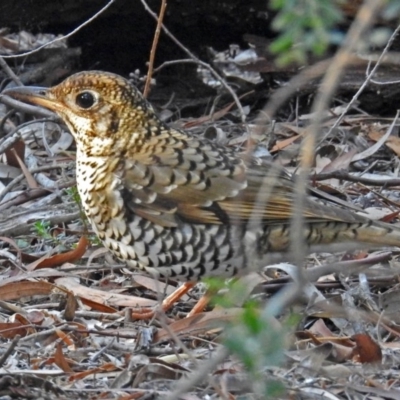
(73, 193)
(305, 27)
(308, 27)
(95, 241)
(259, 344)
(42, 229)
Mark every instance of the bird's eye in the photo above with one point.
(85, 99)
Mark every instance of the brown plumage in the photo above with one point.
(174, 204)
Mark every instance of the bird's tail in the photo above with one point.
(347, 234)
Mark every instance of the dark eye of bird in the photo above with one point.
(85, 99)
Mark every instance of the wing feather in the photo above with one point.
(213, 186)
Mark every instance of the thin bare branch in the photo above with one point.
(199, 62)
(154, 47)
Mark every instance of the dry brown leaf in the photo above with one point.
(339, 353)
(43, 273)
(355, 255)
(108, 298)
(60, 360)
(158, 370)
(199, 323)
(341, 347)
(366, 350)
(321, 163)
(58, 259)
(35, 317)
(341, 162)
(15, 154)
(79, 326)
(21, 319)
(307, 336)
(390, 217)
(319, 328)
(14, 291)
(393, 142)
(8, 330)
(98, 306)
(65, 337)
(108, 367)
(70, 307)
(284, 143)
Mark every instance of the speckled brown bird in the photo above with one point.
(178, 205)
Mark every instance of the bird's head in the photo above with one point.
(105, 113)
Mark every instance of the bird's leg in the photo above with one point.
(202, 303)
(176, 295)
(167, 302)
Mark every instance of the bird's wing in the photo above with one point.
(270, 197)
(210, 185)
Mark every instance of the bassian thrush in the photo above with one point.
(174, 204)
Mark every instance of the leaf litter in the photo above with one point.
(65, 326)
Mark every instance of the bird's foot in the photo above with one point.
(146, 314)
(201, 304)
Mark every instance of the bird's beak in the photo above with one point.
(37, 96)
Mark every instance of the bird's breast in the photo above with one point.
(187, 251)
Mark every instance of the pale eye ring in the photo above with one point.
(85, 99)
